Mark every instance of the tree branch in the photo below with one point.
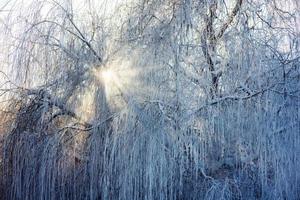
(46, 97)
(230, 18)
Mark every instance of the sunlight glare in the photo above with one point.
(107, 75)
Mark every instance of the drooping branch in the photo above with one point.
(236, 97)
(81, 35)
(56, 102)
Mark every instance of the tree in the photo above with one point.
(151, 99)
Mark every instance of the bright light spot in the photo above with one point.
(107, 75)
(108, 78)
(118, 76)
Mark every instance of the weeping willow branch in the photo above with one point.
(52, 101)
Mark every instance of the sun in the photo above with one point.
(117, 76)
(107, 75)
